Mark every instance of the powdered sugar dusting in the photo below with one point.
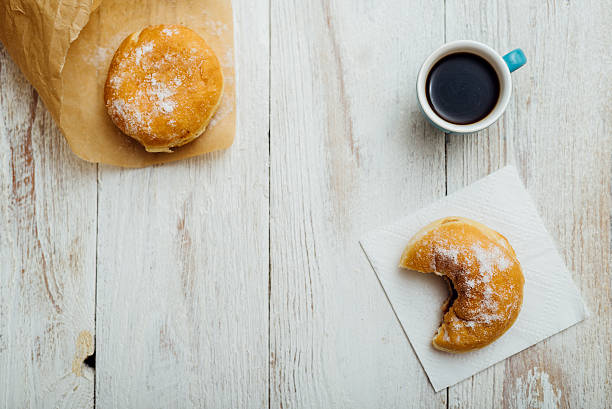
(169, 31)
(487, 307)
(116, 81)
(144, 49)
(100, 56)
(445, 337)
(214, 27)
(489, 259)
(449, 253)
(161, 92)
(166, 106)
(130, 113)
(226, 60)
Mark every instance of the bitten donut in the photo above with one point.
(163, 87)
(484, 276)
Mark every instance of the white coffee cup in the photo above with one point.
(503, 66)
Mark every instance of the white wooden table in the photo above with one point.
(235, 279)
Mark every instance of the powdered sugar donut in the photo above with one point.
(484, 276)
(163, 87)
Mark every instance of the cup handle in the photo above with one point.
(515, 59)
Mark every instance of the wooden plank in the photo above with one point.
(47, 253)
(182, 314)
(349, 152)
(557, 132)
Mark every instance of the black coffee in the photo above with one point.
(462, 88)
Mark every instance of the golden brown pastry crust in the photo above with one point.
(163, 87)
(485, 273)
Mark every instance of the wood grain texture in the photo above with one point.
(349, 151)
(47, 253)
(182, 312)
(557, 131)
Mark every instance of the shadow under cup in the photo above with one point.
(474, 61)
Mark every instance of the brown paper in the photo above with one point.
(64, 48)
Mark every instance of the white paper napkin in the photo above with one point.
(551, 300)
